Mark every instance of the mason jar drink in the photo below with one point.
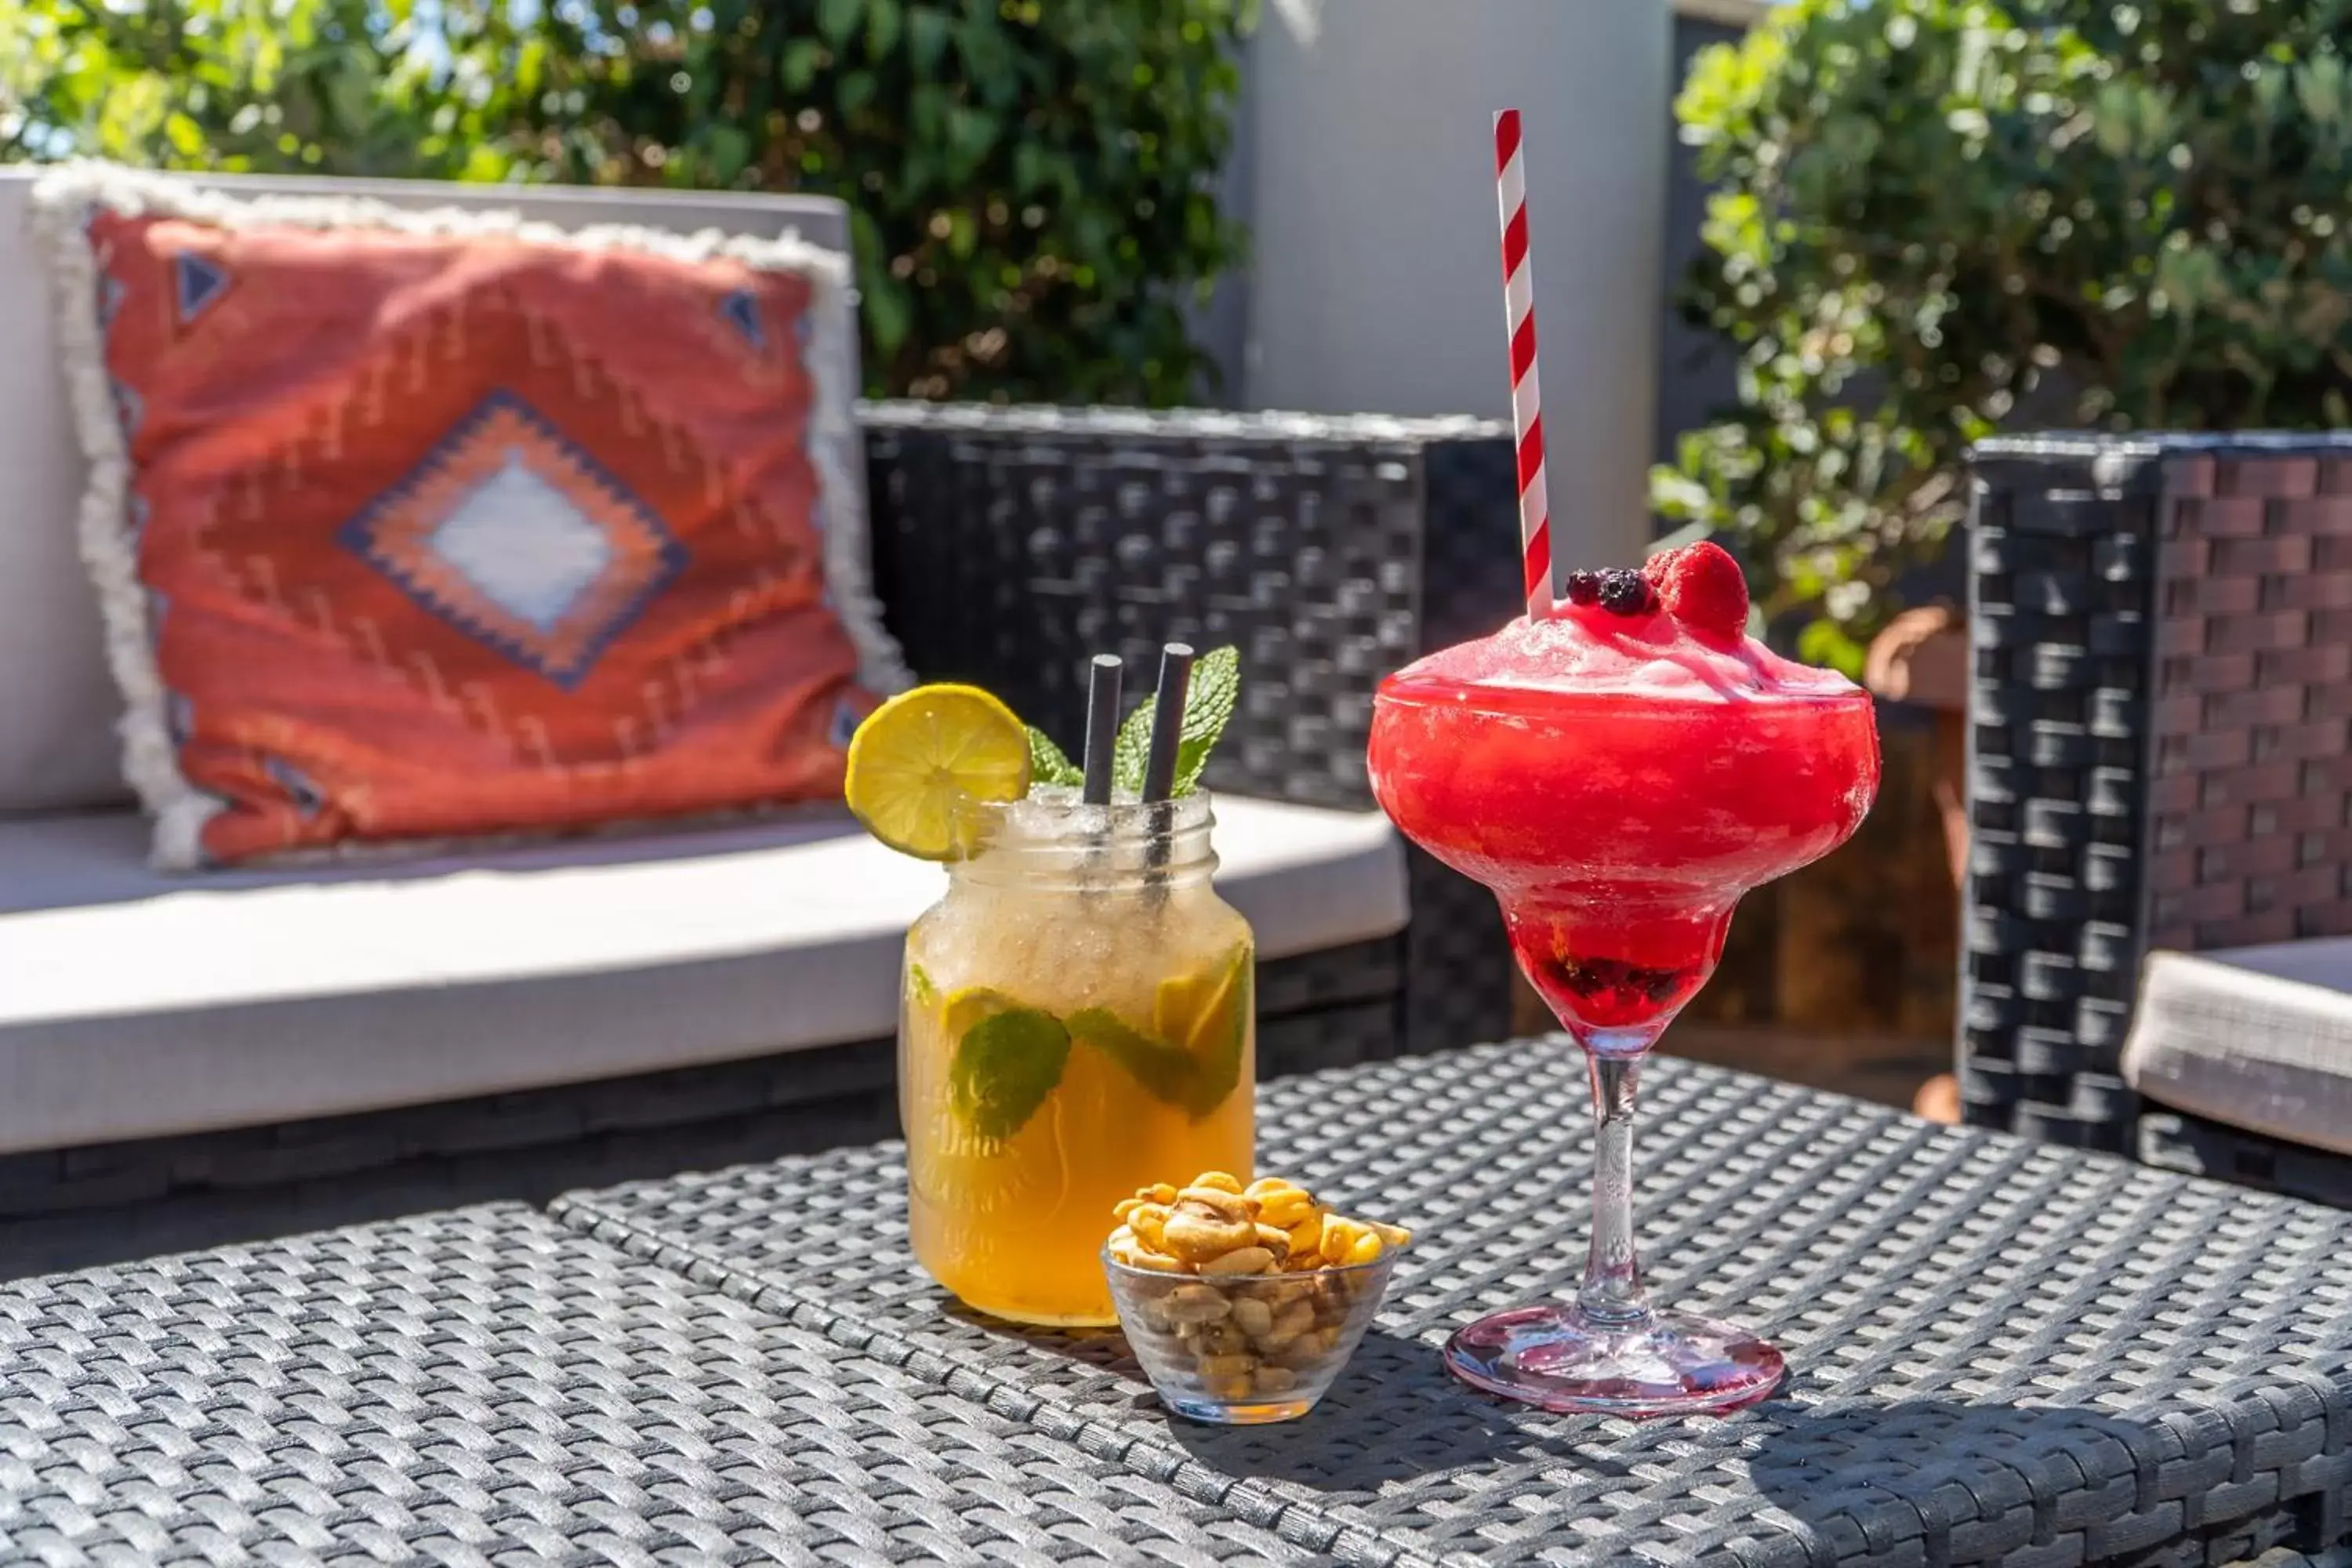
(1076, 1021)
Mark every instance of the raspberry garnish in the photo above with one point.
(1702, 587)
(1584, 588)
(1624, 592)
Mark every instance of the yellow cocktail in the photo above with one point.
(1077, 1022)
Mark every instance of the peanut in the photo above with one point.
(1281, 1203)
(1240, 1260)
(1218, 1181)
(1275, 1380)
(1198, 1241)
(1301, 1354)
(1283, 1292)
(1198, 1304)
(1231, 1207)
(1149, 1224)
(1296, 1319)
(1348, 1241)
(1308, 1351)
(1253, 1316)
(1219, 1338)
(1233, 1388)
(1126, 1248)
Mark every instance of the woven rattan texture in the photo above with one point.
(2000, 1349)
(2061, 540)
(1011, 546)
(2176, 1141)
(70, 1208)
(485, 1387)
(1459, 958)
(2251, 791)
(2158, 757)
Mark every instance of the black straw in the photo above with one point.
(1102, 725)
(1166, 720)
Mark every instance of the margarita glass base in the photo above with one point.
(1671, 1363)
(1608, 1351)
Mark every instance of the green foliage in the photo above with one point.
(346, 87)
(1047, 763)
(1937, 217)
(1034, 196)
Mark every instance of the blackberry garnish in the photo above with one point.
(1584, 587)
(1625, 591)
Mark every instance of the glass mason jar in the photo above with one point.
(1076, 1021)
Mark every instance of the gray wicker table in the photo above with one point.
(2001, 1351)
(485, 1387)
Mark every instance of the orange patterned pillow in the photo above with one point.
(413, 525)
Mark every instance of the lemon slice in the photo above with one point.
(1208, 1015)
(921, 758)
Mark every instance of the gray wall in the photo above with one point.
(1375, 283)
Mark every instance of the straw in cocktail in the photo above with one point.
(1527, 395)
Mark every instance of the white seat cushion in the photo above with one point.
(2258, 1037)
(134, 1004)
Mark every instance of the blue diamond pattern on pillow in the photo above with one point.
(521, 542)
(509, 532)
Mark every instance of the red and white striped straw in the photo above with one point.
(1527, 402)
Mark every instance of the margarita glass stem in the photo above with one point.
(1612, 1297)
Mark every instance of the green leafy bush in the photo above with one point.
(1034, 196)
(1937, 217)
(348, 87)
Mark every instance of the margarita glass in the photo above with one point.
(1620, 773)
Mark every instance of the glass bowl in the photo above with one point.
(1246, 1349)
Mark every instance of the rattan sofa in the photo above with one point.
(1007, 545)
(2160, 762)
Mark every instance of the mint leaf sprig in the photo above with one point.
(1209, 704)
(1207, 708)
(1047, 763)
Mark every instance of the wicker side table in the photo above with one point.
(483, 1386)
(2001, 1350)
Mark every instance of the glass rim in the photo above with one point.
(1390, 1252)
(1195, 809)
(1131, 842)
(1515, 701)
